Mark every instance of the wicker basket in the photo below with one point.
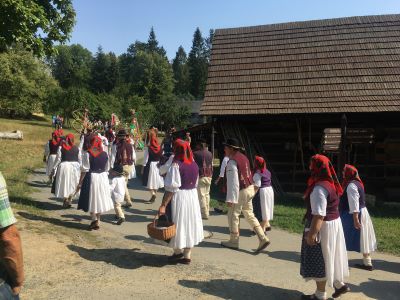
(161, 234)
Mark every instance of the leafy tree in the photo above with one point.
(104, 72)
(25, 83)
(36, 24)
(198, 65)
(181, 72)
(72, 66)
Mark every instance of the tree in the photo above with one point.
(152, 44)
(36, 24)
(25, 83)
(104, 72)
(181, 72)
(208, 45)
(198, 65)
(71, 66)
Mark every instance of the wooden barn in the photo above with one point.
(291, 90)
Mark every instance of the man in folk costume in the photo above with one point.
(240, 192)
(181, 194)
(323, 249)
(95, 196)
(203, 158)
(357, 225)
(68, 170)
(50, 153)
(124, 158)
(264, 199)
(151, 175)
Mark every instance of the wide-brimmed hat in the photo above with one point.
(233, 143)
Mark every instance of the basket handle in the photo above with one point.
(156, 217)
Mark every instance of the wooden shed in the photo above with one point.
(294, 89)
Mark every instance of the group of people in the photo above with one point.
(336, 219)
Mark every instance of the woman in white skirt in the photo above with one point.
(181, 189)
(357, 225)
(95, 196)
(323, 249)
(264, 193)
(50, 154)
(151, 174)
(132, 174)
(67, 165)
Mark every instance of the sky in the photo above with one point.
(115, 24)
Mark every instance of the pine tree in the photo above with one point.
(181, 72)
(152, 44)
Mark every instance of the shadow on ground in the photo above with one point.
(238, 289)
(378, 289)
(53, 221)
(387, 266)
(122, 258)
(285, 255)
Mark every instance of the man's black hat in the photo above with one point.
(232, 142)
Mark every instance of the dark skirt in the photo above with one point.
(83, 202)
(257, 206)
(351, 234)
(145, 176)
(53, 185)
(312, 263)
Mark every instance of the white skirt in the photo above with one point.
(99, 196)
(367, 235)
(334, 251)
(50, 163)
(186, 215)
(132, 174)
(267, 203)
(67, 179)
(155, 181)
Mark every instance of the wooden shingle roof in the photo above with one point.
(337, 65)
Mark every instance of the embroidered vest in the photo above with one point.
(332, 207)
(344, 201)
(265, 178)
(189, 174)
(203, 159)
(71, 155)
(53, 148)
(124, 154)
(244, 172)
(98, 164)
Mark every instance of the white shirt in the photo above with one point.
(146, 156)
(81, 142)
(223, 166)
(164, 168)
(353, 197)
(232, 181)
(47, 149)
(319, 201)
(117, 188)
(257, 179)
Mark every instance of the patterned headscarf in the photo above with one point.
(183, 152)
(350, 174)
(96, 146)
(322, 170)
(259, 164)
(55, 139)
(69, 142)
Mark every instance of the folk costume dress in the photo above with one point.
(263, 201)
(151, 174)
(181, 179)
(95, 194)
(327, 260)
(50, 152)
(132, 174)
(68, 168)
(353, 201)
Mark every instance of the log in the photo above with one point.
(12, 135)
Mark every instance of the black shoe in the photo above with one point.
(268, 229)
(126, 205)
(364, 267)
(343, 290)
(120, 221)
(152, 199)
(175, 257)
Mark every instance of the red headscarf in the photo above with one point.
(259, 164)
(55, 139)
(69, 142)
(96, 146)
(322, 170)
(59, 132)
(153, 143)
(350, 174)
(183, 152)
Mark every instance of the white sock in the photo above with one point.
(338, 284)
(187, 253)
(320, 295)
(367, 261)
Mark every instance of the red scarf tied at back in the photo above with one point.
(259, 164)
(153, 144)
(183, 152)
(55, 139)
(322, 170)
(350, 173)
(96, 146)
(69, 142)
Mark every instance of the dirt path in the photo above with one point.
(65, 261)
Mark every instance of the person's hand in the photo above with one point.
(357, 224)
(161, 210)
(311, 239)
(16, 290)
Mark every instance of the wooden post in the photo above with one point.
(212, 138)
(343, 146)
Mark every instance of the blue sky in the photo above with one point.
(115, 24)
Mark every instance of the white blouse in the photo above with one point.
(353, 197)
(117, 188)
(223, 166)
(319, 201)
(47, 149)
(164, 168)
(232, 182)
(257, 179)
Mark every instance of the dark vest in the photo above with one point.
(53, 148)
(244, 173)
(203, 159)
(265, 178)
(332, 207)
(153, 156)
(189, 174)
(70, 155)
(124, 154)
(98, 164)
(344, 201)
(86, 141)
